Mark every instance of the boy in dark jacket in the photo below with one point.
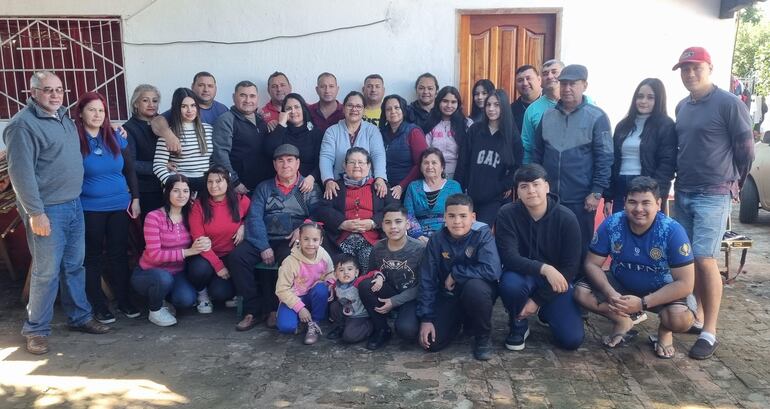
(458, 280)
(539, 243)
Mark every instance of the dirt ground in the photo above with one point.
(204, 363)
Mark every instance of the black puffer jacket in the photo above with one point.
(657, 152)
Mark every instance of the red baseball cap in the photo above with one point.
(693, 54)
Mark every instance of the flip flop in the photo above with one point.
(625, 339)
(661, 350)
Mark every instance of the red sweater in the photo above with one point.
(220, 229)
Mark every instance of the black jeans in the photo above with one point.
(586, 221)
(257, 287)
(406, 325)
(201, 275)
(110, 228)
(471, 304)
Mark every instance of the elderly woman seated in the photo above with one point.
(425, 197)
(352, 218)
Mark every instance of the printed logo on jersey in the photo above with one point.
(617, 247)
(470, 251)
(684, 249)
(445, 254)
(656, 253)
(595, 239)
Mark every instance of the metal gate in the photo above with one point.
(86, 53)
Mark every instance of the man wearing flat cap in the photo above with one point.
(716, 148)
(278, 208)
(574, 144)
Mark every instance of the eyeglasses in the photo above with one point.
(354, 107)
(51, 91)
(357, 163)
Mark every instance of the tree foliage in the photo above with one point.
(752, 49)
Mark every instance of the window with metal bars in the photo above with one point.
(85, 52)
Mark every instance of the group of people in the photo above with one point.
(373, 207)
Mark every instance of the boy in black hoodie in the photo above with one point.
(539, 243)
(458, 280)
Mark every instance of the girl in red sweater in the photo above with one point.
(218, 214)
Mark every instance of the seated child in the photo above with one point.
(458, 280)
(351, 321)
(391, 283)
(302, 285)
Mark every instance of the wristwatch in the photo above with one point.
(597, 196)
(644, 304)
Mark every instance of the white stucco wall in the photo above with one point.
(620, 41)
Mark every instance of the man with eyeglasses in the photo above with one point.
(46, 170)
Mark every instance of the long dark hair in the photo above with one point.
(488, 86)
(457, 120)
(504, 125)
(231, 196)
(111, 144)
(176, 123)
(627, 124)
(167, 187)
(306, 118)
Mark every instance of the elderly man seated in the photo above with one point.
(278, 208)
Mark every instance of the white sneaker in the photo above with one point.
(170, 307)
(162, 317)
(204, 302)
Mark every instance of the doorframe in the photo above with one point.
(463, 31)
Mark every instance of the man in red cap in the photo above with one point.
(715, 154)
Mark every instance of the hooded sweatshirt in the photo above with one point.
(525, 244)
(298, 274)
(481, 170)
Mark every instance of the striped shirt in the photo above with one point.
(192, 162)
(166, 242)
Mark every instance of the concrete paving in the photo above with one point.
(204, 363)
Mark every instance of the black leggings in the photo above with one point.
(110, 228)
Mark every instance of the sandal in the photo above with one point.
(661, 351)
(625, 339)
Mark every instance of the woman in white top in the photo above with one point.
(448, 127)
(194, 138)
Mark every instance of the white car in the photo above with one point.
(756, 189)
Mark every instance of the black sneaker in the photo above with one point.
(335, 333)
(378, 339)
(702, 349)
(482, 348)
(129, 311)
(515, 341)
(105, 317)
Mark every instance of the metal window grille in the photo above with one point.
(86, 53)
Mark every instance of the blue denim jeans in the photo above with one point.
(57, 259)
(156, 284)
(561, 312)
(704, 218)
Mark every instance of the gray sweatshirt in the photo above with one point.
(44, 160)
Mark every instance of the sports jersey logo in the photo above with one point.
(470, 251)
(595, 239)
(684, 249)
(656, 253)
(396, 265)
(617, 247)
(637, 251)
(445, 254)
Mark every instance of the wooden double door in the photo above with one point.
(492, 46)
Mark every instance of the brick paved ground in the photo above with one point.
(204, 363)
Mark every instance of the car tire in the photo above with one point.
(749, 210)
